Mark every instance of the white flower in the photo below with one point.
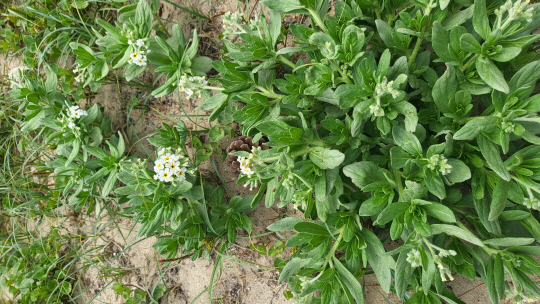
(135, 56)
(158, 165)
(148, 51)
(247, 171)
(15, 73)
(181, 174)
(71, 125)
(140, 62)
(140, 42)
(130, 42)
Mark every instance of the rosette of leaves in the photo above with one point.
(431, 132)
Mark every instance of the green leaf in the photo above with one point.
(506, 54)
(280, 132)
(470, 44)
(473, 127)
(498, 276)
(491, 74)
(311, 228)
(440, 212)
(531, 250)
(391, 212)
(399, 157)
(201, 64)
(457, 232)
(52, 80)
(286, 224)
(109, 184)
(407, 141)
(285, 6)
(74, 152)
(480, 19)
(97, 152)
(445, 88)
(460, 172)
(350, 281)
(326, 158)
(79, 4)
(380, 263)
(213, 102)
(291, 268)
(498, 199)
(435, 184)
(509, 241)
(364, 173)
(493, 157)
(440, 41)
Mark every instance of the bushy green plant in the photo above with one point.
(415, 120)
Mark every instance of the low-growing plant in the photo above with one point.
(414, 120)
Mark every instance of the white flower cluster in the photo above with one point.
(231, 23)
(192, 85)
(170, 166)
(81, 77)
(139, 56)
(75, 112)
(15, 75)
(444, 271)
(246, 165)
(515, 10)
(383, 87)
(532, 203)
(414, 258)
(439, 162)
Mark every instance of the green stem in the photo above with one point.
(415, 51)
(318, 20)
(286, 61)
(464, 67)
(345, 77)
(397, 179)
(334, 247)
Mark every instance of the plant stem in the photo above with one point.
(415, 51)
(286, 61)
(397, 179)
(345, 77)
(318, 20)
(464, 67)
(334, 247)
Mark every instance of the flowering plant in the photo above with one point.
(429, 135)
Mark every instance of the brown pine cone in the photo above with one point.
(242, 143)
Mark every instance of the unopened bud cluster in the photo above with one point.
(508, 126)
(192, 85)
(81, 77)
(515, 10)
(414, 258)
(231, 23)
(382, 88)
(440, 163)
(532, 203)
